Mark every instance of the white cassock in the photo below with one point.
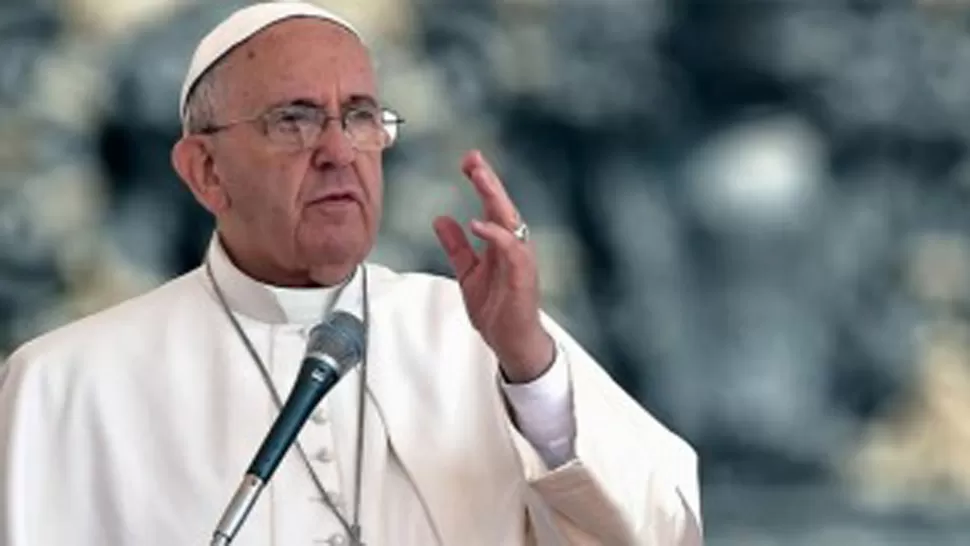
(134, 426)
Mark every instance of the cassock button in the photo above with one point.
(319, 416)
(324, 455)
(336, 499)
(335, 539)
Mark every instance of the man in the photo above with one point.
(473, 418)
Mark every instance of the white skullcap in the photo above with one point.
(239, 27)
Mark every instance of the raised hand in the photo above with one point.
(500, 285)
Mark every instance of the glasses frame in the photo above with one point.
(391, 126)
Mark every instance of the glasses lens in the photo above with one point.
(294, 126)
(363, 126)
(390, 122)
(298, 127)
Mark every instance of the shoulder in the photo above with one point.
(104, 332)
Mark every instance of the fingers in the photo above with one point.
(495, 200)
(515, 255)
(460, 252)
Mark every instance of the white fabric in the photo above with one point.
(543, 412)
(241, 25)
(134, 426)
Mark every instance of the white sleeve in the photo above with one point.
(543, 412)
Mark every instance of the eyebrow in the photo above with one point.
(358, 99)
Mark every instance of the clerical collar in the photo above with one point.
(267, 303)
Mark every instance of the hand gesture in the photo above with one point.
(500, 285)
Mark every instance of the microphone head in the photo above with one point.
(341, 337)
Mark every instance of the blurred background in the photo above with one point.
(753, 212)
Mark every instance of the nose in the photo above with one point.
(333, 147)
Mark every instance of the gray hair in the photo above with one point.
(203, 101)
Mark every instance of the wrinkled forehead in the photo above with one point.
(300, 59)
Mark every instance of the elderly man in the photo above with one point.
(473, 418)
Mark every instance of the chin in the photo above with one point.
(334, 251)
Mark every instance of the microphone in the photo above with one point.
(334, 347)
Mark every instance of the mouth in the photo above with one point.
(344, 198)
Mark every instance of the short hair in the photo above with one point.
(202, 105)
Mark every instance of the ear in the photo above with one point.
(193, 161)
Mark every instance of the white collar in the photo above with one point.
(268, 303)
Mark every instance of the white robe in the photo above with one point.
(134, 426)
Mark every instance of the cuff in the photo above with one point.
(543, 412)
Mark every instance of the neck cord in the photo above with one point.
(353, 530)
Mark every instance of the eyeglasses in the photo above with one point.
(299, 126)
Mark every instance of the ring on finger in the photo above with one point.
(521, 232)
